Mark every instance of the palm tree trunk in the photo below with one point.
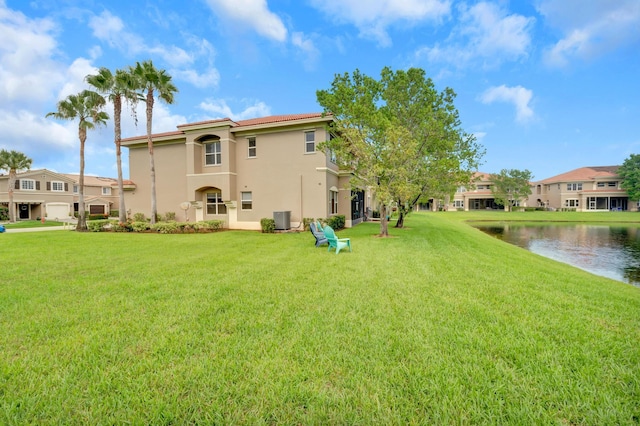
(152, 166)
(117, 107)
(12, 207)
(82, 220)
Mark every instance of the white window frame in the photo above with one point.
(310, 145)
(458, 204)
(76, 188)
(252, 148)
(246, 200)
(575, 186)
(215, 155)
(572, 202)
(106, 190)
(333, 202)
(215, 204)
(57, 186)
(27, 185)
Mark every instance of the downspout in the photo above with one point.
(301, 224)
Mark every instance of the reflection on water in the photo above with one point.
(610, 251)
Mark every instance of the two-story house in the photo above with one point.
(100, 193)
(243, 171)
(583, 189)
(39, 193)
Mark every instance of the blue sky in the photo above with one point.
(545, 85)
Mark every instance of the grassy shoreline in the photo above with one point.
(441, 324)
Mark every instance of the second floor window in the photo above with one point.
(27, 184)
(75, 189)
(212, 154)
(252, 148)
(309, 142)
(106, 190)
(57, 186)
(574, 186)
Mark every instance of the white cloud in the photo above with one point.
(590, 28)
(27, 72)
(253, 13)
(307, 48)
(372, 18)
(518, 96)
(485, 33)
(218, 108)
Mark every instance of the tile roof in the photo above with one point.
(584, 174)
(92, 180)
(278, 119)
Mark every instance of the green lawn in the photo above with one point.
(440, 324)
(32, 224)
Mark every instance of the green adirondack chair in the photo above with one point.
(334, 241)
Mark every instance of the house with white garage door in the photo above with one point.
(38, 193)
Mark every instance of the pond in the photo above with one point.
(610, 251)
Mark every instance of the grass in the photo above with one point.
(440, 324)
(32, 224)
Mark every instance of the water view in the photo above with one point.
(609, 251)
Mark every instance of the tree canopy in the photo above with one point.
(399, 137)
(510, 186)
(630, 174)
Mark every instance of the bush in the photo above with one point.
(117, 226)
(216, 225)
(97, 216)
(114, 213)
(170, 216)
(336, 222)
(139, 226)
(139, 217)
(165, 227)
(4, 213)
(268, 225)
(98, 225)
(375, 214)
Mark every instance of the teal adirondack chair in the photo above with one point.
(334, 241)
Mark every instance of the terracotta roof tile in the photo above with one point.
(584, 174)
(278, 119)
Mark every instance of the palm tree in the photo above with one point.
(117, 86)
(86, 106)
(13, 162)
(149, 79)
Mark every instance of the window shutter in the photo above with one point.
(66, 187)
(48, 186)
(37, 185)
(17, 185)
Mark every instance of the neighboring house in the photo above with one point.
(477, 195)
(243, 171)
(100, 193)
(583, 189)
(39, 193)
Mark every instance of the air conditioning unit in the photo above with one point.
(283, 220)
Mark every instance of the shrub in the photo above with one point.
(336, 222)
(98, 216)
(114, 213)
(4, 213)
(268, 225)
(139, 217)
(139, 226)
(98, 225)
(117, 226)
(165, 227)
(375, 214)
(170, 216)
(216, 225)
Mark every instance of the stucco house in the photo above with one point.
(476, 195)
(39, 193)
(584, 189)
(242, 171)
(100, 193)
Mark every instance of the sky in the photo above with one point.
(544, 85)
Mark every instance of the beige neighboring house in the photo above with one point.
(39, 193)
(243, 171)
(477, 195)
(584, 189)
(100, 193)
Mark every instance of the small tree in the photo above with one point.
(510, 186)
(13, 162)
(630, 174)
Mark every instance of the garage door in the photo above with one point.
(57, 211)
